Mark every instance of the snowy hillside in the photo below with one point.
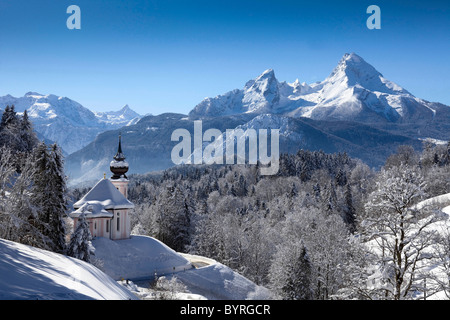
(30, 273)
(65, 121)
(141, 258)
(137, 258)
(432, 262)
(355, 90)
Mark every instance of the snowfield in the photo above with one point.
(129, 266)
(137, 258)
(141, 258)
(29, 273)
(442, 201)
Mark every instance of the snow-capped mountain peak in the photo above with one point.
(124, 116)
(262, 94)
(66, 121)
(354, 91)
(352, 70)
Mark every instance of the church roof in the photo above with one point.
(106, 194)
(92, 209)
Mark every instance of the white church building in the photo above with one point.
(106, 206)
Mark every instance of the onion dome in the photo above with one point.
(119, 166)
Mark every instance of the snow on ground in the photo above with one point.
(438, 201)
(216, 281)
(30, 273)
(446, 210)
(441, 211)
(140, 258)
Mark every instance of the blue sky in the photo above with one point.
(166, 56)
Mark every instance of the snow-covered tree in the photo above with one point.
(28, 139)
(80, 245)
(49, 194)
(290, 274)
(58, 209)
(16, 133)
(173, 218)
(397, 231)
(349, 212)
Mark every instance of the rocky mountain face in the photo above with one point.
(354, 91)
(65, 121)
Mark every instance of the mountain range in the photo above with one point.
(355, 109)
(354, 91)
(65, 121)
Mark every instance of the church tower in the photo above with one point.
(119, 168)
(106, 206)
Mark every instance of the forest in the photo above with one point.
(327, 226)
(304, 232)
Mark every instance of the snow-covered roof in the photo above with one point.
(105, 194)
(92, 209)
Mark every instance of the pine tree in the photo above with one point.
(59, 200)
(349, 214)
(290, 273)
(80, 246)
(447, 154)
(27, 135)
(173, 220)
(9, 129)
(9, 117)
(49, 194)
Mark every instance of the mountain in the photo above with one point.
(354, 91)
(355, 109)
(65, 121)
(147, 144)
(125, 116)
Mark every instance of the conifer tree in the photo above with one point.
(49, 194)
(349, 214)
(59, 190)
(28, 137)
(290, 273)
(80, 245)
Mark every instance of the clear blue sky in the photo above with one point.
(161, 56)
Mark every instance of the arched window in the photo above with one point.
(118, 221)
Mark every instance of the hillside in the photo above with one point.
(141, 258)
(34, 274)
(147, 144)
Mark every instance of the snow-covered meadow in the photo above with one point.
(130, 268)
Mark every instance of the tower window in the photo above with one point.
(118, 221)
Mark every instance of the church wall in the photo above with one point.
(98, 227)
(123, 232)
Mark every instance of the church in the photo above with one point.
(106, 206)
